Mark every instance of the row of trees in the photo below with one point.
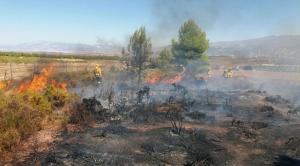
(190, 46)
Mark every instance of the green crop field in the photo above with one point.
(15, 57)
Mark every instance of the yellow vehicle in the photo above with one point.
(228, 73)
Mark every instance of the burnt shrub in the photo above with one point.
(247, 67)
(92, 104)
(267, 108)
(147, 114)
(201, 150)
(277, 100)
(196, 115)
(78, 114)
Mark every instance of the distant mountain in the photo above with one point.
(271, 46)
(57, 47)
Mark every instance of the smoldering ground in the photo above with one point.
(214, 121)
(221, 123)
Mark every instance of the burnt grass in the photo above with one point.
(251, 129)
(153, 147)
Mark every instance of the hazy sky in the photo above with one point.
(83, 21)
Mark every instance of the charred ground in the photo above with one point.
(176, 124)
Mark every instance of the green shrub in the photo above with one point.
(20, 117)
(23, 114)
(9, 138)
(36, 100)
(56, 96)
(165, 58)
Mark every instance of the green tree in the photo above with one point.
(139, 48)
(165, 57)
(191, 43)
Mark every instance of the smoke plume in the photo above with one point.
(225, 20)
(170, 14)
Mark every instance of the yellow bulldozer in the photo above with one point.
(228, 73)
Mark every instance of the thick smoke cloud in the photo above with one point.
(170, 14)
(225, 20)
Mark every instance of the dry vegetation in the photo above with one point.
(29, 106)
(160, 124)
(22, 114)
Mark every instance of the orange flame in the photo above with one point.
(41, 81)
(2, 85)
(59, 85)
(5, 84)
(153, 78)
(176, 79)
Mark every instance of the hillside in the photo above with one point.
(271, 46)
(58, 47)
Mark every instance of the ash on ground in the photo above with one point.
(180, 125)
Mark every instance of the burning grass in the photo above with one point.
(168, 119)
(32, 106)
(5, 84)
(165, 77)
(2, 85)
(38, 82)
(153, 77)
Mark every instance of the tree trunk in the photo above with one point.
(139, 77)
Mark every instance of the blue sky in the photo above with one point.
(84, 21)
